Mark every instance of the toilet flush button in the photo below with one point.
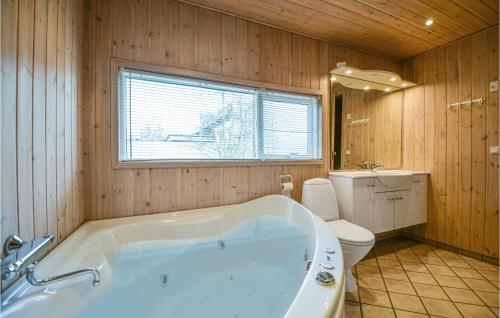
(328, 266)
(329, 251)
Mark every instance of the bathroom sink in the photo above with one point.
(394, 178)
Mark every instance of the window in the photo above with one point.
(172, 118)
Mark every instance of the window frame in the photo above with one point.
(118, 64)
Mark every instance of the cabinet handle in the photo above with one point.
(416, 181)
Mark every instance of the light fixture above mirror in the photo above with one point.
(368, 79)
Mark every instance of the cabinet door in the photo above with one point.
(384, 212)
(403, 216)
(363, 202)
(419, 199)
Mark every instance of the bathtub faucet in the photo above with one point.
(31, 278)
(23, 256)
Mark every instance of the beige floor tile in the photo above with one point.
(388, 256)
(459, 295)
(399, 286)
(467, 272)
(407, 302)
(430, 291)
(474, 311)
(352, 296)
(432, 260)
(394, 274)
(450, 281)
(424, 252)
(422, 278)
(369, 261)
(369, 281)
(370, 311)
(374, 297)
(442, 308)
(440, 269)
(409, 258)
(490, 299)
(422, 246)
(414, 267)
(406, 251)
(479, 284)
(446, 254)
(456, 263)
(489, 275)
(407, 314)
(352, 310)
(368, 270)
(390, 263)
(483, 265)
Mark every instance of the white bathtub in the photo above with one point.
(245, 260)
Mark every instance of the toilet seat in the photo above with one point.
(351, 234)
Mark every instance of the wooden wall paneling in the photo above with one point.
(478, 142)
(25, 119)
(41, 183)
(68, 111)
(142, 188)
(140, 29)
(464, 177)
(188, 20)
(419, 114)
(440, 146)
(465, 145)
(429, 139)
(172, 34)
(491, 220)
(9, 30)
(452, 144)
(253, 50)
(51, 116)
(229, 47)
(408, 148)
(39, 113)
(157, 26)
(102, 160)
(208, 42)
(60, 125)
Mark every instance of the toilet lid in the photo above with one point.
(350, 233)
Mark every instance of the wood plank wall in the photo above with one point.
(176, 34)
(454, 144)
(41, 185)
(377, 140)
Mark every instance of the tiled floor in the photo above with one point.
(404, 278)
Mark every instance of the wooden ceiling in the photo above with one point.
(392, 28)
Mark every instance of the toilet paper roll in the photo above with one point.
(286, 188)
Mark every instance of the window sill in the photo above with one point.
(214, 164)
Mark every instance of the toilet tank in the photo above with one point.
(319, 197)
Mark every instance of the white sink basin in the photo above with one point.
(394, 178)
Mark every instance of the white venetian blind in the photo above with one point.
(171, 118)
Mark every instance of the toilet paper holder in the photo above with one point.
(286, 184)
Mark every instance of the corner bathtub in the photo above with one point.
(239, 261)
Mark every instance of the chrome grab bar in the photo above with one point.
(31, 278)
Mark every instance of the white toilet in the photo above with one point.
(319, 197)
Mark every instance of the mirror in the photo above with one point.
(365, 126)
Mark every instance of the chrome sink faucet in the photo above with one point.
(22, 256)
(372, 165)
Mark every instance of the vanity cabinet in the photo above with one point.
(379, 206)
